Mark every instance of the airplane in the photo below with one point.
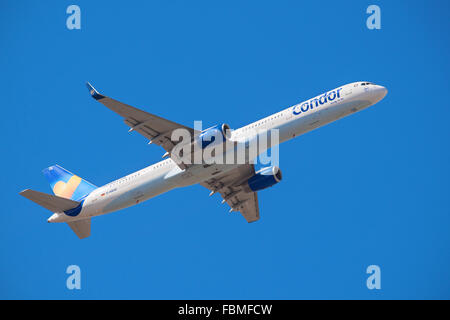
(75, 200)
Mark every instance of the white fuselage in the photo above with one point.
(167, 175)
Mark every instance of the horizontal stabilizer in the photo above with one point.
(49, 201)
(82, 228)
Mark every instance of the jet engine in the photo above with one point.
(216, 134)
(264, 178)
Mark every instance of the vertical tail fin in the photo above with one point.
(67, 185)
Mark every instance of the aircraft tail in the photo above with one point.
(69, 191)
(67, 185)
(82, 228)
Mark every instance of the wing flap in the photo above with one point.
(228, 185)
(247, 204)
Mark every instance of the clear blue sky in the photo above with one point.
(372, 188)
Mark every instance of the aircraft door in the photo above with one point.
(289, 114)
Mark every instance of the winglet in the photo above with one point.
(94, 93)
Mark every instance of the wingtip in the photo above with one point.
(94, 93)
(23, 191)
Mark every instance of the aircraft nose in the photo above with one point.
(383, 91)
(379, 92)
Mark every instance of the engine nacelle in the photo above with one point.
(217, 134)
(264, 178)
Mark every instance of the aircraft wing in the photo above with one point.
(158, 130)
(229, 187)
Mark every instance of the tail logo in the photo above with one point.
(66, 189)
(67, 185)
